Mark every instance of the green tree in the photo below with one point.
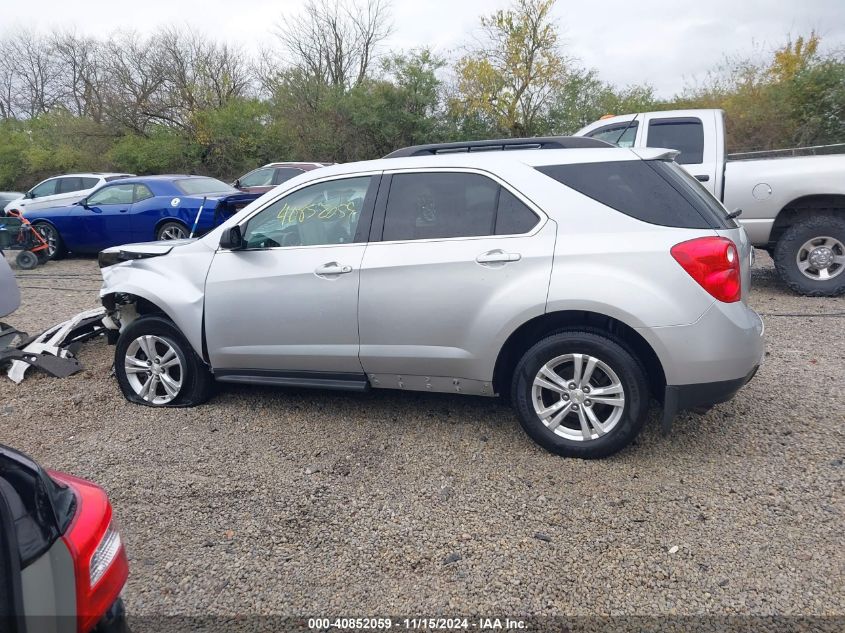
(509, 80)
(585, 98)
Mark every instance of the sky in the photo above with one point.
(669, 44)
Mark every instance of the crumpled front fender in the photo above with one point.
(174, 283)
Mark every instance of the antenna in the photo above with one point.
(627, 127)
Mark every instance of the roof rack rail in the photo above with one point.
(502, 144)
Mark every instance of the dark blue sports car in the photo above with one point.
(138, 209)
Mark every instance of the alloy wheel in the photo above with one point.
(153, 369)
(173, 232)
(578, 397)
(50, 236)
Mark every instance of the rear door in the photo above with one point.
(695, 137)
(456, 257)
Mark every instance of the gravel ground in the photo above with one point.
(310, 503)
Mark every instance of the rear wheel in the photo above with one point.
(810, 256)
(579, 394)
(157, 367)
(171, 231)
(55, 244)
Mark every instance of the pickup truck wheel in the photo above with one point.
(579, 394)
(157, 367)
(810, 256)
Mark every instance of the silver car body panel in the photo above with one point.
(296, 321)
(175, 283)
(10, 294)
(424, 314)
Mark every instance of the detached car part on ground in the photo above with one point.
(62, 562)
(574, 278)
(53, 351)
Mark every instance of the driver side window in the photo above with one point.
(258, 178)
(620, 134)
(115, 194)
(46, 188)
(325, 213)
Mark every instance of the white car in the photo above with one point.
(60, 190)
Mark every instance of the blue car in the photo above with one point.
(138, 209)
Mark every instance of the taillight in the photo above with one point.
(714, 263)
(99, 559)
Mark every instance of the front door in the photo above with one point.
(288, 300)
(105, 217)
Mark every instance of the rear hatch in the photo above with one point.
(717, 216)
(657, 191)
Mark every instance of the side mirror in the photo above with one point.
(83, 203)
(232, 239)
(237, 183)
(29, 195)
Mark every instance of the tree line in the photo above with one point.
(179, 101)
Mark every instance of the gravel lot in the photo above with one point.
(320, 503)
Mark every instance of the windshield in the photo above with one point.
(195, 186)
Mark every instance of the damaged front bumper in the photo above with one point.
(54, 350)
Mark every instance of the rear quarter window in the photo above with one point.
(640, 189)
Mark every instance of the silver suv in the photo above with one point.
(573, 278)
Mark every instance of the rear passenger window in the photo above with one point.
(142, 192)
(90, 183)
(286, 173)
(636, 188)
(683, 134)
(70, 184)
(513, 216)
(443, 205)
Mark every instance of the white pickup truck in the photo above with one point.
(794, 207)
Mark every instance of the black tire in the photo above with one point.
(790, 244)
(161, 233)
(622, 362)
(45, 228)
(196, 380)
(26, 260)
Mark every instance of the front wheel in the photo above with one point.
(810, 256)
(580, 394)
(171, 231)
(157, 367)
(55, 245)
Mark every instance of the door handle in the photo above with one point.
(702, 178)
(497, 256)
(332, 268)
(124, 210)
